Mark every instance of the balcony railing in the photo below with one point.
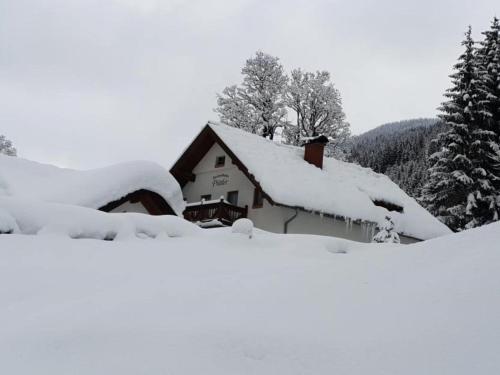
(214, 211)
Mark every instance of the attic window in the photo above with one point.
(220, 161)
(388, 206)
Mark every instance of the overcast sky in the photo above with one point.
(86, 83)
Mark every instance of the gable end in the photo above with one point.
(182, 170)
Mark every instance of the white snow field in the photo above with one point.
(217, 302)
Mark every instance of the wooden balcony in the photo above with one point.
(214, 213)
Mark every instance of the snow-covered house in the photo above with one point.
(226, 173)
(139, 186)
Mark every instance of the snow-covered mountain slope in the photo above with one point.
(217, 302)
(400, 150)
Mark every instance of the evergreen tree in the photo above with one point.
(488, 56)
(386, 232)
(258, 104)
(408, 164)
(483, 203)
(450, 177)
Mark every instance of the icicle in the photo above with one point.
(348, 225)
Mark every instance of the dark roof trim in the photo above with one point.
(338, 217)
(153, 202)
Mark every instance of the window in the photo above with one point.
(206, 197)
(258, 198)
(232, 197)
(220, 161)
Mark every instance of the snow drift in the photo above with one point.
(92, 188)
(21, 216)
(216, 302)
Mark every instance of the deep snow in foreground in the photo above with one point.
(216, 302)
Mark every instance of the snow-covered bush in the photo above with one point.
(243, 226)
(386, 232)
(6, 147)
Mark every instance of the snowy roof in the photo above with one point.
(340, 188)
(91, 188)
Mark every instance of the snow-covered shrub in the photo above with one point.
(386, 232)
(243, 226)
(6, 147)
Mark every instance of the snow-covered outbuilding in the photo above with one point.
(138, 186)
(226, 174)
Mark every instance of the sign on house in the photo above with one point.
(220, 180)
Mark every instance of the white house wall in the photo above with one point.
(219, 181)
(131, 207)
(314, 223)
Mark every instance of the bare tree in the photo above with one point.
(234, 110)
(258, 105)
(317, 107)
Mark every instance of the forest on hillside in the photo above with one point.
(400, 150)
(457, 175)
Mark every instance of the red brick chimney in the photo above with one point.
(313, 150)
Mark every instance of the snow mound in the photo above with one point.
(42, 218)
(7, 223)
(91, 188)
(340, 188)
(243, 226)
(217, 303)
